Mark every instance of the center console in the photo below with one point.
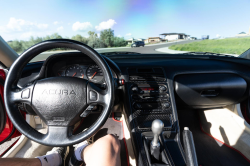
(149, 96)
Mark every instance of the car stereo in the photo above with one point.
(150, 97)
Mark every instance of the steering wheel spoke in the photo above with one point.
(96, 96)
(58, 134)
(23, 95)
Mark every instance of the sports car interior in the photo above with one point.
(165, 109)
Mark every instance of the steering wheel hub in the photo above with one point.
(59, 100)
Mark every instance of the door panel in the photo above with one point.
(8, 131)
(2, 117)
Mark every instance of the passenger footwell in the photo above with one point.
(209, 151)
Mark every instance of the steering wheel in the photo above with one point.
(58, 101)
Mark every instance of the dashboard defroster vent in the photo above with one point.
(147, 77)
(140, 74)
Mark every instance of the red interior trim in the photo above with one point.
(124, 140)
(225, 144)
(7, 133)
(244, 108)
(114, 118)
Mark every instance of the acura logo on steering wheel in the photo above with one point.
(58, 92)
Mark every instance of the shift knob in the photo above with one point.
(157, 127)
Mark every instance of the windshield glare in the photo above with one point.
(173, 27)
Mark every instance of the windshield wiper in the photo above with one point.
(117, 53)
(208, 53)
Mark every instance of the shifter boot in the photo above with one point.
(155, 151)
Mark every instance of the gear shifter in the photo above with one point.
(157, 126)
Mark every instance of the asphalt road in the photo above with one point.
(148, 49)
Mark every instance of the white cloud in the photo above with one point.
(60, 28)
(98, 34)
(105, 25)
(57, 22)
(2, 28)
(128, 34)
(218, 36)
(42, 26)
(27, 35)
(77, 26)
(119, 36)
(20, 25)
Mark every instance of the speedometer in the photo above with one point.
(74, 71)
(94, 74)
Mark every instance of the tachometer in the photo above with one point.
(94, 74)
(74, 71)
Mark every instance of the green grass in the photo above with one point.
(226, 46)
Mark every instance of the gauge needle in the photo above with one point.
(59, 74)
(82, 75)
(74, 74)
(93, 75)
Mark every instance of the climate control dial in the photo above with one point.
(165, 105)
(135, 89)
(162, 88)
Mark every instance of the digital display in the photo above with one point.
(148, 88)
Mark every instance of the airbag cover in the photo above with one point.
(59, 99)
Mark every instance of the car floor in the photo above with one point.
(33, 149)
(112, 126)
(209, 151)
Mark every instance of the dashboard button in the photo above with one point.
(26, 94)
(135, 90)
(165, 105)
(92, 96)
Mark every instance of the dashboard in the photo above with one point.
(206, 75)
(73, 65)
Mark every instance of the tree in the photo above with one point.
(55, 36)
(16, 45)
(107, 39)
(80, 39)
(92, 34)
(119, 41)
(46, 38)
(93, 40)
(107, 36)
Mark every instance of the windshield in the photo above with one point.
(221, 27)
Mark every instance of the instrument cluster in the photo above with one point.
(90, 72)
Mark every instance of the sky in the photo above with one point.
(128, 18)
